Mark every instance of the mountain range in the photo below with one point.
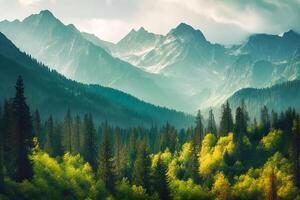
(181, 69)
(52, 93)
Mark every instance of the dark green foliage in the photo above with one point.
(89, 149)
(67, 133)
(58, 132)
(1, 153)
(211, 125)
(295, 151)
(160, 180)
(141, 169)
(119, 155)
(37, 128)
(76, 135)
(49, 146)
(106, 165)
(226, 124)
(23, 135)
(198, 134)
(8, 139)
(168, 138)
(265, 119)
(240, 127)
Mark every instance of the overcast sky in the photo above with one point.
(222, 21)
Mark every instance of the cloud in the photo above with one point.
(29, 2)
(221, 21)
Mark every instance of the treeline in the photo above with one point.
(75, 159)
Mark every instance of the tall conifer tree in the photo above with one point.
(67, 133)
(89, 141)
(50, 140)
(141, 171)
(226, 123)
(211, 125)
(105, 167)
(24, 133)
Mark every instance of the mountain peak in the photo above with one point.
(142, 29)
(46, 13)
(290, 34)
(184, 29)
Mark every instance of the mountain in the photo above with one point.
(193, 65)
(183, 45)
(278, 97)
(180, 69)
(52, 93)
(262, 61)
(65, 49)
(273, 48)
(98, 42)
(136, 43)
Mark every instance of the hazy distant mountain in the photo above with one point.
(278, 97)
(52, 93)
(136, 44)
(272, 47)
(194, 65)
(262, 61)
(66, 50)
(98, 42)
(181, 69)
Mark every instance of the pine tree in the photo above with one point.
(245, 112)
(240, 125)
(274, 120)
(67, 133)
(24, 133)
(240, 130)
(295, 151)
(89, 141)
(198, 134)
(168, 138)
(141, 171)
(119, 157)
(271, 193)
(49, 143)
(37, 128)
(265, 120)
(9, 142)
(226, 123)
(76, 135)
(105, 167)
(132, 150)
(1, 154)
(192, 168)
(58, 148)
(211, 126)
(160, 180)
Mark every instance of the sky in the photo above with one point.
(221, 21)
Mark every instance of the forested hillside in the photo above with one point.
(76, 158)
(278, 97)
(52, 93)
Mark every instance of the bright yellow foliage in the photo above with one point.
(212, 152)
(271, 141)
(221, 187)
